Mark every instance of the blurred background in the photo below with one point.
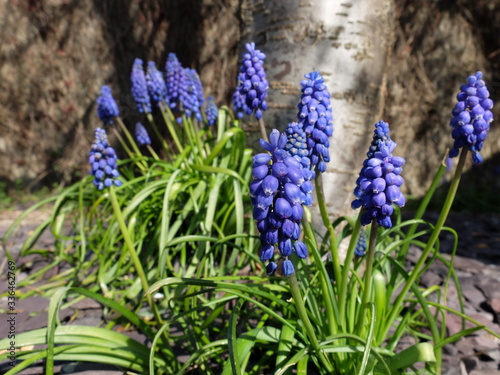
(56, 54)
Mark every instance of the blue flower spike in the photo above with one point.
(176, 81)
(107, 109)
(379, 182)
(211, 111)
(141, 135)
(157, 87)
(251, 92)
(360, 248)
(103, 162)
(315, 116)
(472, 116)
(193, 100)
(279, 188)
(139, 88)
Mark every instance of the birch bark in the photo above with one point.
(349, 43)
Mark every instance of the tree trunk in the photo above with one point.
(349, 44)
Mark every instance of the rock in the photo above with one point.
(430, 278)
(494, 305)
(473, 294)
(453, 324)
(450, 350)
(450, 365)
(472, 266)
(483, 318)
(465, 347)
(471, 363)
(488, 346)
(87, 303)
(490, 288)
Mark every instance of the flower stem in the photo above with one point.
(152, 152)
(368, 278)
(263, 131)
(423, 206)
(171, 128)
(397, 305)
(160, 137)
(328, 225)
(326, 285)
(129, 137)
(301, 309)
(345, 271)
(141, 164)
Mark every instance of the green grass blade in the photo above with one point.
(422, 352)
(235, 357)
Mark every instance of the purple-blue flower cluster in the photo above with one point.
(156, 83)
(277, 192)
(379, 182)
(176, 81)
(251, 91)
(211, 111)
(193, 100)
(139, 87)
(471, 117)
(297, 147)
(239, 104)
(184, 91)
(103, 162)
(315, 115)
(360, 248)
(107, 109)
(141, 135)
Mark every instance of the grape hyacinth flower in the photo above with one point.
(107, 109)
(239, 104)
(193, 100)
(251, 91)
(360, 248)
(315, 115)
(176, 81)
(379, 182)
(139, 87)
(103, 162)
(472, 116)
(277, 192)
(141, 135)
(156, 83)
(297, 147)
(211, 111)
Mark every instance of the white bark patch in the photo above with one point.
(348, 43)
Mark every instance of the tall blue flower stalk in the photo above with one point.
(194, 98)
(315, 115)
(103, 162)
(297, 147)
(278, 190)
(211, 111)
(176, 81)
(360, 248)
(141, 135)
(156, 83)
(379, 182)
(251, 92)
(107, 109)
(471, 117)
(139, 88)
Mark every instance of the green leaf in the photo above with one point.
(422, 352)
(285, 344)
(235, 357)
